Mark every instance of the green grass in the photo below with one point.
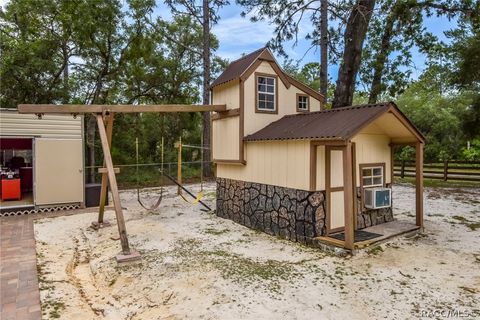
(437, 183)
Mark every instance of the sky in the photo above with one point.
(238, 35)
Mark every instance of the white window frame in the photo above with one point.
(299, 102)
(373, 176)
(274, 93)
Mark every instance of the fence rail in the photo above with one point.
(149, 174)
(447, 170)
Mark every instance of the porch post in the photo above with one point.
(419, 184)
(348, 195)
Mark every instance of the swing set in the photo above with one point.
(197, 198)
(105, 116)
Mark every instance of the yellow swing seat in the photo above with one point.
(196, 200)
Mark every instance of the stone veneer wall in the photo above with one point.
(293, 214)
(371, 217)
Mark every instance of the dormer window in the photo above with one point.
(303, 103)
(266, 93)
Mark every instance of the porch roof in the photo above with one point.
(338, 124)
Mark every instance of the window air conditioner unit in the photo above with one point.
(377, 198)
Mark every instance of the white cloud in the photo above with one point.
(237, 35)
(3, 3)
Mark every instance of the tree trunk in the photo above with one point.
(355, 34)
(206, 88)
(381, 58)
(323, 48)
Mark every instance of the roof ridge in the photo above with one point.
(248, 55)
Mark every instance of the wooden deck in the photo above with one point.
(387, 230)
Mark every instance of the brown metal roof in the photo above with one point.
(237, 67)
(339, 123)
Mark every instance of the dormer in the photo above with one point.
(257, 92)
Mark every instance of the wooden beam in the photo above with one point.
(226, 114)
(118, 108)
(113, 186)
(104, 170)
(104, 190)
(348, 196)
(419, 184)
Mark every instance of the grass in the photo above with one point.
(235, 267)
(215, 232)
(470, 224)
(375, 250)
(438, 183)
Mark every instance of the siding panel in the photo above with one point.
(50, 126)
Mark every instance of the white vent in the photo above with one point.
(377, 198)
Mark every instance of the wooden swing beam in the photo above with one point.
(105, 113)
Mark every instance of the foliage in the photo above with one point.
(62, 51)
(472, 153)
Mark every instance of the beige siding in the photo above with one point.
(320, 168)
(372, 148)
(227, 93)
(287, 99)
(225, 138)
(280, 163)
(50, 126)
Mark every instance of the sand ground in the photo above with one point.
(198, 266)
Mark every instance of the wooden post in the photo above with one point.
(348, 196)
(445, 170)
(179, 165)
(419, 184)
(402, 170)
(113, 185)
(103, 192)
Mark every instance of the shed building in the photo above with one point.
(41, 162)
(287, 167)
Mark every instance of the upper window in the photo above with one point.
(266, 91)
(372, 176)
(303, 103)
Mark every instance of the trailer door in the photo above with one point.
(58, 167)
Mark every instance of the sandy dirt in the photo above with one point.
(198, 266)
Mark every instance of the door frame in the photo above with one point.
(329, 189)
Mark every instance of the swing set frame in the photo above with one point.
(105, 117)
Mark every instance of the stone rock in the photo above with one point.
(316, 198)
(254, 193)
(270, 191)
(302, 195)
(276, 202)
(319, 213)
(262, 202)
(269, 205)
(309, 214)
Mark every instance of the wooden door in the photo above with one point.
(58, 171)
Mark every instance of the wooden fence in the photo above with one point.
(448, 170)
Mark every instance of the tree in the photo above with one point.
(36, 45)
(437, 112)
(115, 56)
(397, 27)
(206, 14)
(324, 48)
(355, 33)
(464, 58)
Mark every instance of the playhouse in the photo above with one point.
(291, 169)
